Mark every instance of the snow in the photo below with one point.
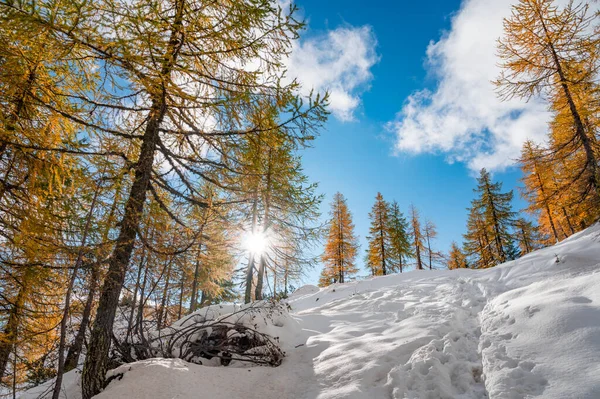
(526, 329)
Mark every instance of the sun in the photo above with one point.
(255, 243)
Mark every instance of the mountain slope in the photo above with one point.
(528, 328)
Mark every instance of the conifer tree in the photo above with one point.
(477, 245)
(379, 238)
(490, 222)
(400, 246)
(430, 234)
(552, 51)
(341, 247)
(527, 236)
(537, 179)
(456, 258)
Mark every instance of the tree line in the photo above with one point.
(395, 242)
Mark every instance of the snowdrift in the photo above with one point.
(525, 329)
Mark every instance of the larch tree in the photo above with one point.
(456, 257)
(177, 65)
(477, 244)
(528, 236)
(341, 247)
(430, 234)
(552, 51)
(417, 238)
(538, 188)
(283, 202)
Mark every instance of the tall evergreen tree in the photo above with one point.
(490, 222)
(379, 238)
(339, 257)
(400, 246)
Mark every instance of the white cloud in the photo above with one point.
(463, 118)
(339, 61)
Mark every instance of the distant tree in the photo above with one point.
(527, 236)
(379, 238)
(417, 237)
(400, 246)
(430, 234)
(477, 245)
(456, 258)
(339, 257)
(490, 222)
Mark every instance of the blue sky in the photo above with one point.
(415, 115)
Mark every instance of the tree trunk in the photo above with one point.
(258, 293)
(11, 330)
(136, 289)
(194, 298)
(96, 362)
(250, 269)
(180, 313)
(75, 349)
(162, 310)
(429, 252)
(63, 323)
(274, 282)
(74, 352)
(382, 243)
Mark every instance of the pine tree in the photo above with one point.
(379, 238)
(400, 246)
(490, 222)
(339, 257)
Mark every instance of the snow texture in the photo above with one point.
(526, 329)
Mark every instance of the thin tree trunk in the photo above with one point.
(76, 347)
(250, 269)
(382, 243)
(11, 329)
(74, 352)
(258, 293)
(194, 298)
(429, 252)
(63, 323)
(135, 292)
(180, 313)
(163, 303)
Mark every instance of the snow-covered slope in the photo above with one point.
(528, 328)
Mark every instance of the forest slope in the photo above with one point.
(527, 328)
